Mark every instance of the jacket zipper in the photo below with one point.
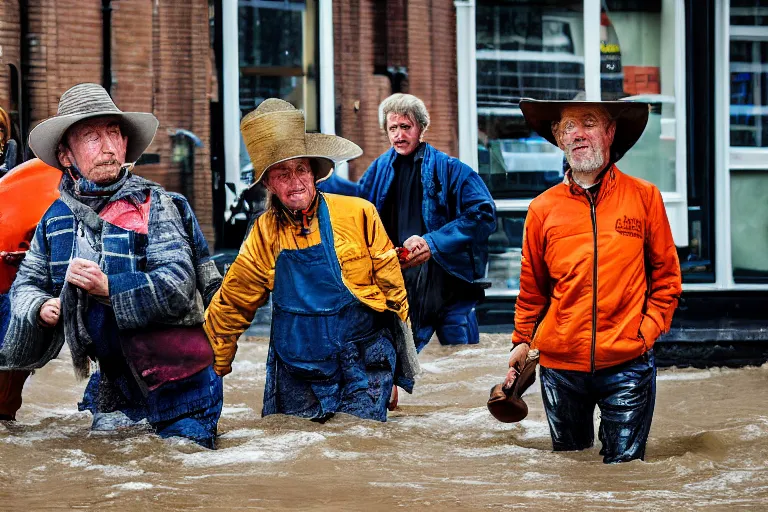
(593, 214)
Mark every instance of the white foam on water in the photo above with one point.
(234, 410)
(262, 449)
(75, 458)
(534, 429)
(463, 481)
(673, 376)
(533, 476)
(364, 431)
(246, 366)
(483, 382)
(494, 451)
(755, 430)
(407, 485)
(476, 418)
(466, 359)
(134, 486)
(564, 497)
(78, 459)
(242, 433)
(340, 455)
(29, 438)
(432, 368)
(721, 482)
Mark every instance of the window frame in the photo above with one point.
(675, 202)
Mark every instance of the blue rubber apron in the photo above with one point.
(317, 326)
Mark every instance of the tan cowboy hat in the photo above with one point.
(631, 118)
(275, 132)
(85, 101)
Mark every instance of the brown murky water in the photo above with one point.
(708, 449)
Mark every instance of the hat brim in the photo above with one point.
(139, 127)
(630, 117)
(326, 150)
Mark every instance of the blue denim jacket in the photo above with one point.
(457, 208)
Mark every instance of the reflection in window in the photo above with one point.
(749, 93)
(504, 247)
(749, 73)
(278, 58)
(634, 68)
(749, 135)
(749, 226)
(524, 49)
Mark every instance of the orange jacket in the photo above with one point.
(600, 278)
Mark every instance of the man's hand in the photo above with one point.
(419, 252)
(12, 258)
(516, 362)
(87, 275)
(49, 312)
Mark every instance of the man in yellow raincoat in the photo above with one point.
(339, 337)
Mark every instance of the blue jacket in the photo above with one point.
(457, 208)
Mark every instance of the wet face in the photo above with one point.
(96, 147)
(293, 182)
(585, 134)
(403, 132)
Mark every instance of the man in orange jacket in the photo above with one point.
(599, 280)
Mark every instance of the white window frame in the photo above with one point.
(727, 157)
(231, 88)
(675, 202)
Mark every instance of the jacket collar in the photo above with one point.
(607, 181)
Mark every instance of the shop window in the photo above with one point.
(505, 250)
(748, 159)
(633, 67)
(524, 49)
(749, 225)
(536, 49)
(278, 59)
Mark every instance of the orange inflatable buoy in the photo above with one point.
(26, 192)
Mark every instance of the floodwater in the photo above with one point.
(441, 450)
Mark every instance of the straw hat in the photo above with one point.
(5, 120)
(505, 404)
(275, 132)
(631, 118)
(85, 101)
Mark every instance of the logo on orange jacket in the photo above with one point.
(629, 226)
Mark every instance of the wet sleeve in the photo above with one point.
(245, 289)
(386, 266)
(665, 281)
(476, 218)
(533, 299)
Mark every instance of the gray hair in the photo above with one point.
(404, 105)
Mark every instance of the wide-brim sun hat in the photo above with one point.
(276, 132)
(630, 117)
(86, 101)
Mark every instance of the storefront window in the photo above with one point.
(749, 140)
(524, 49)
(633, 67)
(536, 49)
(505, 250)
(278, 58)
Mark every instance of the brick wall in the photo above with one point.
(10, 50)
(160, 64)
(421, 35)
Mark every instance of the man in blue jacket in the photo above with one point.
(438, 209)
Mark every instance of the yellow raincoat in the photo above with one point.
(369, 267)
